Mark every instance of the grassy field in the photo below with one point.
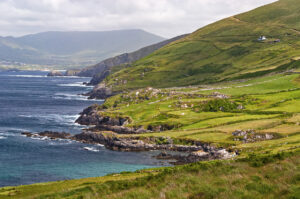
(226, 50)
(264, 169)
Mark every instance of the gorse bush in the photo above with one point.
(258, 160)
(216, 105)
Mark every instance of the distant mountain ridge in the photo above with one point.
(73, 48)
(101, 70)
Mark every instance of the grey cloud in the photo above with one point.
(164, 17)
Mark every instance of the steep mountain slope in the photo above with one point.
(225, 50)
(73, 48)
(101, 70)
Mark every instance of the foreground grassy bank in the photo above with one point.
(257, 176)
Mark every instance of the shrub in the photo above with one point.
(216, 105)
(258, 160)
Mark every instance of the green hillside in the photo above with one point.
(225, 50)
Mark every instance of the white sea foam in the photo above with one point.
(37, 137)
(27, 116)
(9, 131)
(51, 141)
(93, 149)
(4, 134)
(77, 77)
(2, 137)
(39, 76)
(69, 96)
(58, 118)
(61, 118)
(76, 84)
(61, 142)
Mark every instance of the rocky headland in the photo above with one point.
(55, 74)
(191, 153)
(66, 73)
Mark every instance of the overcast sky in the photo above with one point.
(167, 18)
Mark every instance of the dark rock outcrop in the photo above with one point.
(194, 153)
(49, 134)
(100, 92)
(112, 141)
(92, 116)
(202, 156)
(94, 138)
(251, 136)
(165, 156)
(27, 134)
(55, 135)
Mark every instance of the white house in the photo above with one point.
(262, 38)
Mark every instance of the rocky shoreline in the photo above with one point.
(193, 153)
(114, 134)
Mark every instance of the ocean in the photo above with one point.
(32, 102)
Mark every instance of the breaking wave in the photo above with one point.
(39, 76)
(76, 84)
(93, 149)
